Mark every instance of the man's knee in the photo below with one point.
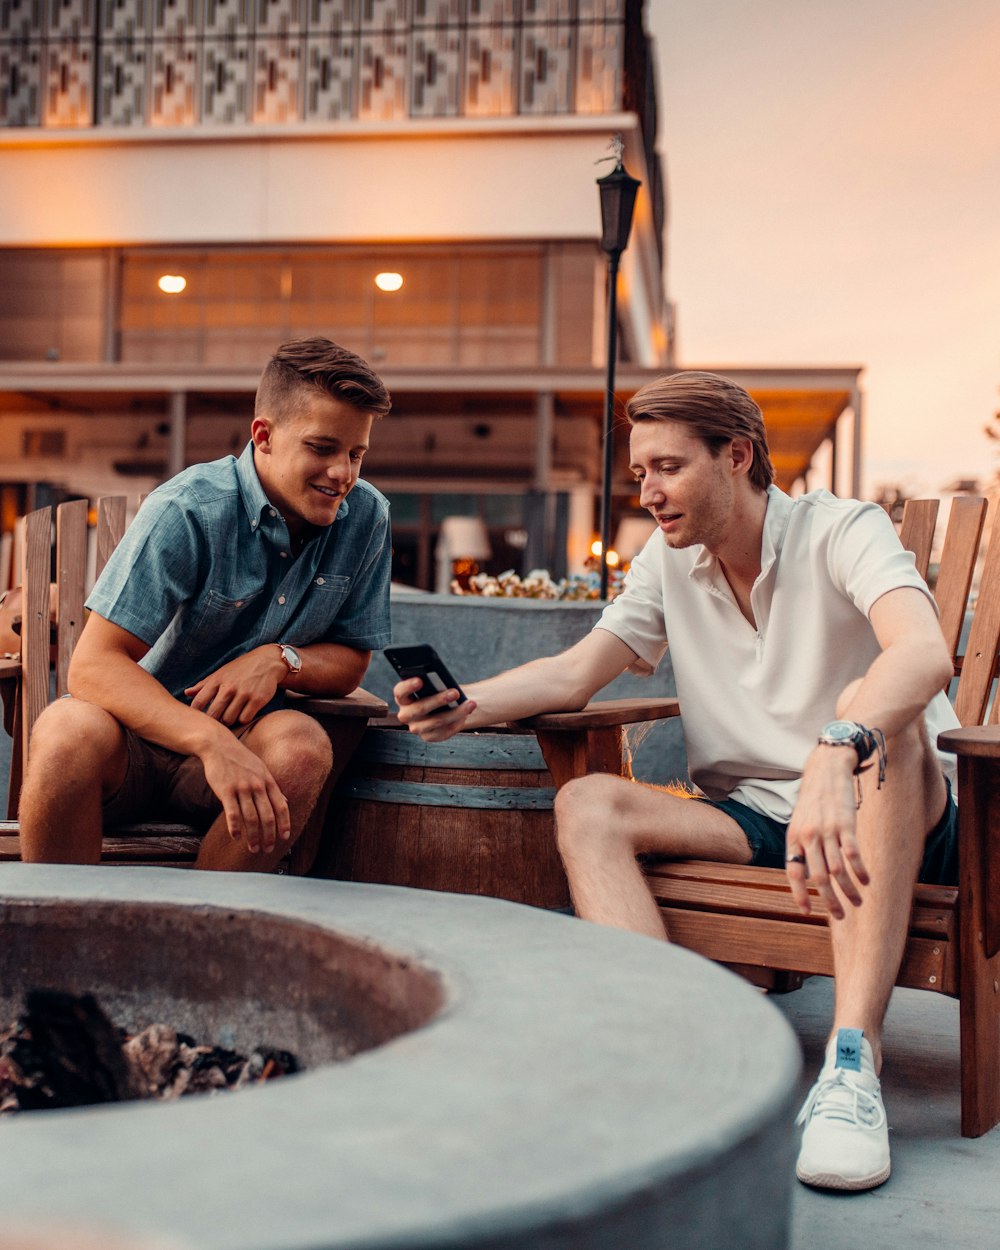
(295, 748)
(83, 737)
(589, 813)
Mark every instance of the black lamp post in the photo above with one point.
(618, 191)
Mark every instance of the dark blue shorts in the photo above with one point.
(767, 840)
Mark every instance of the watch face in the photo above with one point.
(840, 730)
(292, 657)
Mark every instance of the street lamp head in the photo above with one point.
(618, 191)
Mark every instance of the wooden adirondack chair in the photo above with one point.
(29, 684)
(745, 917)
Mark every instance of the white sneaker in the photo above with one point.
(845, 1142)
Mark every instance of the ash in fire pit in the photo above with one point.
(64, 1052)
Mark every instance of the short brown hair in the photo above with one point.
(323, 366)
(715, 409)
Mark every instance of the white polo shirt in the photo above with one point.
(753, 700)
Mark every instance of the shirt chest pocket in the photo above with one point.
(217, 618)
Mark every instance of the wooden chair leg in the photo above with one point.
(979, 973)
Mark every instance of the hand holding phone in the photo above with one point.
(424, 662)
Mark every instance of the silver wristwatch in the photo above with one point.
(291, 657)
(848, 733)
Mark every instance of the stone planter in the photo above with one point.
(478, 637)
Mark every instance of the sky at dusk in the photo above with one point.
(833, 172)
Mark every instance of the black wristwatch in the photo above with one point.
(848, 733)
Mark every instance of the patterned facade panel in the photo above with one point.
(547, 69)
(493, 12)
(280, 19)
(21, 83)
(491, 71)
(277, 79)
(177, 20)
(122, 85)
(600, 11)
(329, 78)
(70, 19)
(123, 19)
(226, 81)
(385, 16)
(21, 20)
(436, 72)
(439, 12)
(333, 18)
(600, 67)
(383, 62)
(173, 83)
(228, 19)
(537, 12)
(69, 83)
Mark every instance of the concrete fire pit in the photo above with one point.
(515, 1078)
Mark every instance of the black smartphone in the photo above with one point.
(424, 662)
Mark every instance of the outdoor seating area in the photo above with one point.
(397, 813)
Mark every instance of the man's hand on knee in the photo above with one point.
(252, 802)
(821, 842)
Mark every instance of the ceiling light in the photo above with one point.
(388, 281)
(172, 283)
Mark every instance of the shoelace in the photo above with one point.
(840, 1098)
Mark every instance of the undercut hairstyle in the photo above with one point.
(307, 365)
(713, 408)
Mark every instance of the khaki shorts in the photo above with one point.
(161, 785)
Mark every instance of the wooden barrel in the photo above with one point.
(472, 815)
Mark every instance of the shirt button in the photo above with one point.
(320, 581)
(281, 598)
(283, 554)
(253, 524)
(272, 512)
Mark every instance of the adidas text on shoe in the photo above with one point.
(845, 1138)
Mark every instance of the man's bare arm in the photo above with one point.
(105, 671)
(556, 683)
(913, 666)
(236, 692)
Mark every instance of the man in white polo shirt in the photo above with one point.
(810, 668)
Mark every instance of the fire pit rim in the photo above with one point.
(549, 1145)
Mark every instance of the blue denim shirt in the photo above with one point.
(205, 573)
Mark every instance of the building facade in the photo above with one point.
(188, 183)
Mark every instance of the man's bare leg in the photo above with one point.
(78, 757)
(892, 826)
(845, 1140)
(297, 751)
(604, 822)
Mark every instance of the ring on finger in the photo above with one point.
(795, 859)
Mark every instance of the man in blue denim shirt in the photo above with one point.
(238, 580)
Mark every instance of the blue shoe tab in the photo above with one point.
(849, 1049)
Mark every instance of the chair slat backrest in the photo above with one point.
(979, 664)
(71, 572)
(36, 564)
(958, 563)
(916, 532)
(110, 528)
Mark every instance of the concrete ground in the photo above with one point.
(944, 1192)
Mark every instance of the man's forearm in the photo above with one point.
(328, 669)
(135, 698)
(899, 685)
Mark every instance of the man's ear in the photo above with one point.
(260, 432)
(741, 451)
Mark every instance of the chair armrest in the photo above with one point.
(974, 740)
(606, 712)
(359, 703)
